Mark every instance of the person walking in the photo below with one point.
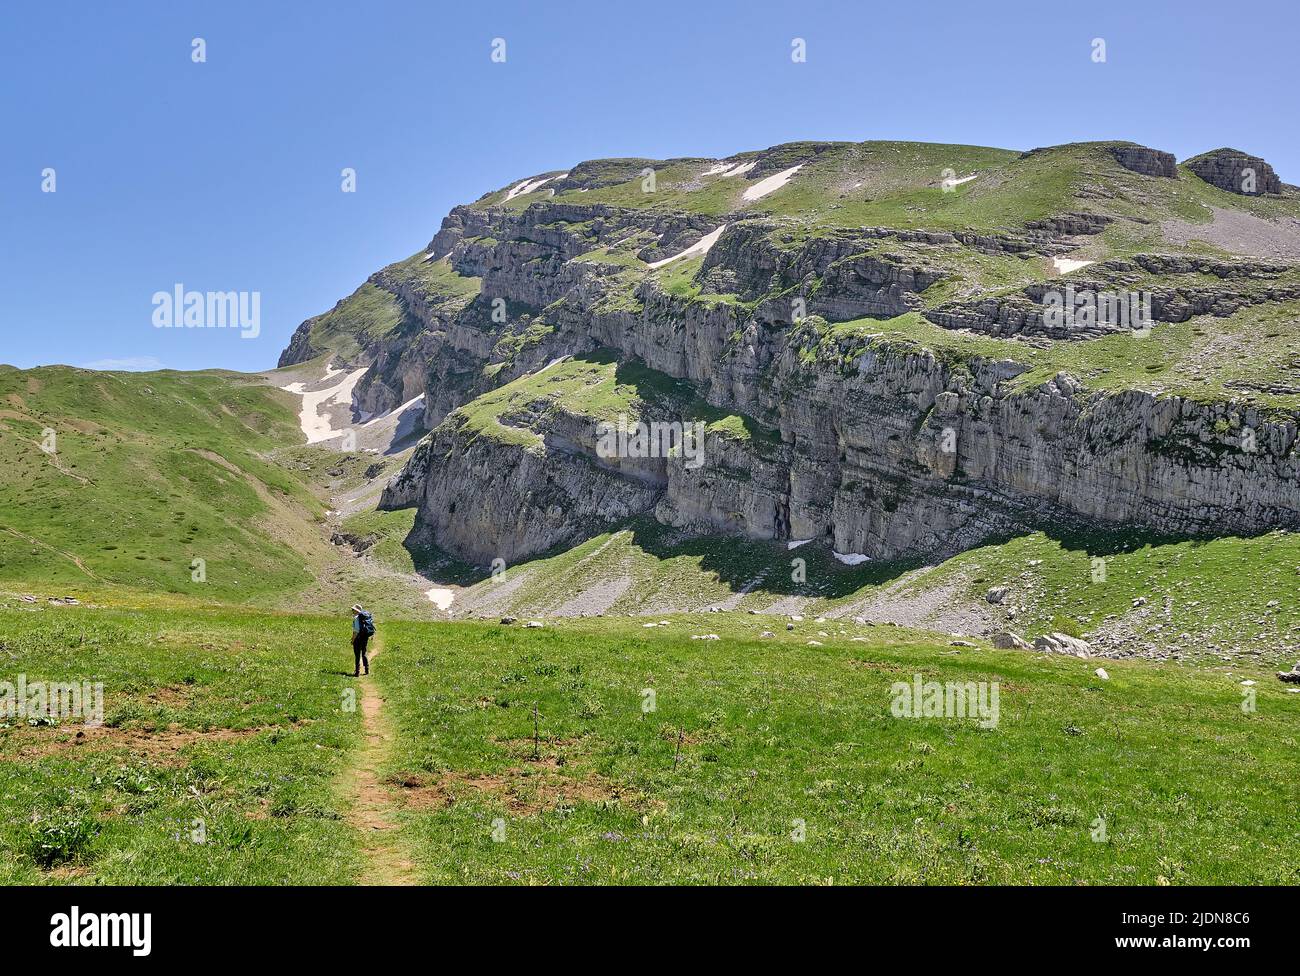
(363, 628)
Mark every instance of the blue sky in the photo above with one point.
(225, 175)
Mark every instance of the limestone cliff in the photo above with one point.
(861, 333)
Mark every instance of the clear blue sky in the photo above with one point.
(225, 175)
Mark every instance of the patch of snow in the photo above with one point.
(699, 247)
(396, 411)
(964, 179)
(850, 558)
(528, 186)
(315, 425)
(1066, 265)
(441, 597)
(770, 185)
(796, 543)
(553, 362)
(724, 170)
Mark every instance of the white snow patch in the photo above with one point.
(796, 543)
(315, 424)
(964, 179)
(441, 597)
(528, 186)
(553, 362)
(770, 185)
(850, 558)
(396, 411)
(699, 247)
(1066, 265)
(725, 170)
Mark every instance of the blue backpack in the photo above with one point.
(367, 625)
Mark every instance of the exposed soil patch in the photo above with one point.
(172, 696)
(31, 742)
(525, 790)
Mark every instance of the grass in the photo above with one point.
(151, 472)
(236, 723)
(374, 311)
(1230, 593)
(751, 738)
(1206, 358)
(222, 725)
(367, 314)
(175, 489)
(599, 387)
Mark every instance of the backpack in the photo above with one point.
(367, 625)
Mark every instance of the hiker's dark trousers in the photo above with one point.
(359, 649)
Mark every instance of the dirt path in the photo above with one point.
(76, 561)
(371, 810)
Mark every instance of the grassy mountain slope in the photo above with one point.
(153, 471)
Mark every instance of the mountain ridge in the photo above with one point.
(911, 394)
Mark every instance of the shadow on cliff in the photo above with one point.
(770, 567)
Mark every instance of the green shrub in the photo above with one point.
(58, 838)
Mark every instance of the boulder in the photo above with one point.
(1057, 643)
(1009, 641)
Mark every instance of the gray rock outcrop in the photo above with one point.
(1236, 172)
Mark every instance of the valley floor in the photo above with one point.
(237, 749)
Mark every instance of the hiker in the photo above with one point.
(363, 628)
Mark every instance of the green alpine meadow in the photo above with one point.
(878, 513)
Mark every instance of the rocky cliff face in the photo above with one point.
(1149, 162)
(875, 435)
(1236, 172)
